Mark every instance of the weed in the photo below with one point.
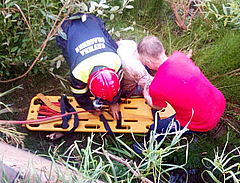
(225, 166)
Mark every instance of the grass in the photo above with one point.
(216, 52)
(219, 60)
(225, 165)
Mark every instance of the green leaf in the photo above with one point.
(83, 6)
(62, 34)
(216, 10)
(44, 14)
(7, 73)
(10, 4)
(16, 15)
(206, 15)
(219, 18)
(236, 19)
(43, 31)
(7, 1)
(43, 2)
(5, 43)
(16, 38)
(114, 8)
(224, 9)
(129, 7)
(35, 70)
(104, 6)
(231, 11)
(225, 21)
(14, 49)
(51, 16)
(8, 15)
(75, 17)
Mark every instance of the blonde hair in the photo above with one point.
(150, 46)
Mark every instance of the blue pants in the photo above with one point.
(164, 124)
(136, 91)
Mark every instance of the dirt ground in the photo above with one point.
(19, 101)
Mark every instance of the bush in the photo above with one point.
(25, 26)
(220, 63)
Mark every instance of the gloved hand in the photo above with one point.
(115, 109)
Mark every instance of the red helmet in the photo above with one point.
(104, 83)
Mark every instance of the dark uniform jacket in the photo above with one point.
(88, 48)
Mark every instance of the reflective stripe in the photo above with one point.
(108, 59)
(79, 91)
(120, 75)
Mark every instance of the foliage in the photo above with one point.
(27, 24)
(215, 51)
(6, 93)
(105, 10)
(228, 12)
(225, 167)
(220, 63)
(9, 133)
(184, 12)
(102, 162)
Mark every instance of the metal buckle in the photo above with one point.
(98, 103)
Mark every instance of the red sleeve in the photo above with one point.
(157, 98)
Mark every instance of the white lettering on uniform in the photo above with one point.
(90, 45)
(89, 42)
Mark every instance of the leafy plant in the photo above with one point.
(24, 30)
(8, 132)
(219, 62)
(102, 161)
(223, 168)
(228, 13)
(7, 109)
(182, 11)
(28, 25)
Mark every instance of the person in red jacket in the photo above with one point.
(179, 82)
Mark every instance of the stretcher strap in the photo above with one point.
(48, 103)
(66, 106)
(119, 121)
(106, 125)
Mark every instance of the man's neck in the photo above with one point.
(163, 57)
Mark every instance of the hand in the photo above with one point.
(115, 109)
(149, 99)
(147, 95)
(55, 136)
(97, 112)
(190, 53)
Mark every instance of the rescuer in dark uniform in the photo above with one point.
(95, 67)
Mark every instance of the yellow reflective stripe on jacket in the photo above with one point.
(107, 59)
(121, 75)
(79, 91)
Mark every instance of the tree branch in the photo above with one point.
(228, 73)
(127, 164)
(50, 34)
